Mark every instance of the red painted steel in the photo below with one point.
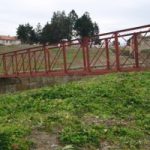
(117, 52)
(123, 50)
(136, 50)
(107, 54)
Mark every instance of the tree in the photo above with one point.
(26, 33)
(96, 28)
(46, 34)
(84, 26)
(32, 37)
(38, 33)
(21, 33)
(58, 29)
(61, 26)
(96, 39)
(73, 17)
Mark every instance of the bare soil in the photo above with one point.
(44, 141)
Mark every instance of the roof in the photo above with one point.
(10, 38)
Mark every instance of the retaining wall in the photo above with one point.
(9, 85)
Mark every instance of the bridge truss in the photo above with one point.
(123, 50)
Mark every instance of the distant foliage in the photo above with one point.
(60, 27)
(84, 26)
(38, 33)
(73, 17)
(26, 34)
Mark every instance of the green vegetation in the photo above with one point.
(110, 110)
(85, 21)
(60, 27)
(10, 48)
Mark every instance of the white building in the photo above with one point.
(9, 40)
(143, 43)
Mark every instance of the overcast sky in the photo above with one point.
(109, 14)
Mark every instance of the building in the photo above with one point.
(143, 43)
(9, 40)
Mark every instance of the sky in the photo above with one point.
(110, 15)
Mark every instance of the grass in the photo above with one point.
(110, 110)
(10, 48)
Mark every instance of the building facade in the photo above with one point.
(143, 43)
(9, 40)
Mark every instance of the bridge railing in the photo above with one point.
(123, 50)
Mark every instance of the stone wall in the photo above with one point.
(10, 85)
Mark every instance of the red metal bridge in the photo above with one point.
(123, 50)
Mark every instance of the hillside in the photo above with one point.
(104, 112)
